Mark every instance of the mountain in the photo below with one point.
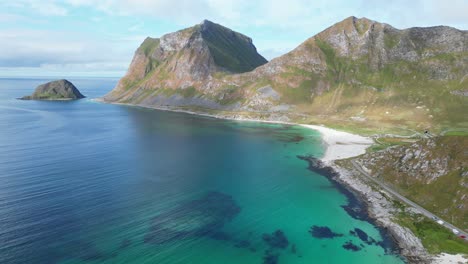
(55, 90)
(185, 61)
(355, 74)
(432, 172)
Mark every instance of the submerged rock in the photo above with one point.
(201, 217)
(270, 257)
(276, 240)
(323, 232)
(349, 245)
(55, 90)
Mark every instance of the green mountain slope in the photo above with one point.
(355, 74)
(230, 50)
(432, 172)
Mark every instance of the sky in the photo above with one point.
(98, 38)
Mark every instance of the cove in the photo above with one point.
(85, 182)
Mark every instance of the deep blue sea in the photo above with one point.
(88, 182)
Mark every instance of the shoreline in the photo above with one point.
(381, 210)
(342, 145)
(339, 144)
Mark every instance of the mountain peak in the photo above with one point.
(206, 22)
(190, 57)
(353, 22)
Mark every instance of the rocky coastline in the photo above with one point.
(380, 210)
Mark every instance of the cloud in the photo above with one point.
(42, 7)
(10, 18)
(454, 12)
(104, 34)
(136, 27)
(63, 51)
(98, 70)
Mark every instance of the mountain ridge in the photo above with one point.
(357, 70)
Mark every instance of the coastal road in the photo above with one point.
(406, 200)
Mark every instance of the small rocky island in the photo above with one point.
(55, 90)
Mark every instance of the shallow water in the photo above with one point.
(86, 182)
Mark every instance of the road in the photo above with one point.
(407, 201)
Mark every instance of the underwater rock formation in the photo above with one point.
(201, 217)
(323, 232)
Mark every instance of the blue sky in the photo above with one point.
(98, 38)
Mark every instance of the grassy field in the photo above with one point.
(386, 142)
(443, 195)
(435, 238)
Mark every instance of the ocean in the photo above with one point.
(88, 182)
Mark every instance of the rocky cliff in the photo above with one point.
(55, 90)
(433, 172)
(357, 72)
(185, 63)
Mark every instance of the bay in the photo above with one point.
(86, 182)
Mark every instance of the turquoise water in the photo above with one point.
(85, 182)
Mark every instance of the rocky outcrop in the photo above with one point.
(382, 210)
(433, 172)
(424, 161)
(384, 44)
(55, 90)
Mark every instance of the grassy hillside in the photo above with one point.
(231, 50)
(403, 94)
(432, 172)
(357, 75)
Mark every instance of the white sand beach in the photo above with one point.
(341, 145)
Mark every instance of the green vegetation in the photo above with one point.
(295, 72)
(151, 65)
(370, 94)
(439, 196)
(386, 142)
(231, 50)
(456, 133)
(435, 238)
(301, 94)
(337, 67)
(48, 96)
(148, 46)
(187, 92)
(230, 95)
(401, 94)
(444, 196)
(390, 41)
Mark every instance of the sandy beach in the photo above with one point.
(341, 145)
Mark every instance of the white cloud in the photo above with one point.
(10, 18)
(454, 12)
(42, 7)
(65, 51)
(136, 27)
(59, 71)
(276, 26)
